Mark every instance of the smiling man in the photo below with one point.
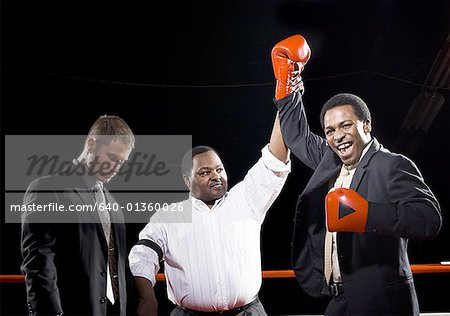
(374, 202)
(212, 263)
(358, 210)
(347, 127)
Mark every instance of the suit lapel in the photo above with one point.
(326, 170)
(87, 197)
(330, 165)
(361, 169)
(82, 185)
(81, 193)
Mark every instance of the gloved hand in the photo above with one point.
(346, 211)
(288, 59)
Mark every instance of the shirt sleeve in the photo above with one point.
(272, 163)
(144, 260)
(263, 182)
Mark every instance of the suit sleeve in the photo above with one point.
(413, 211)
(38, 252)
(307, 146)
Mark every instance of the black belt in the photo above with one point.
(233, 311)
(336, 289)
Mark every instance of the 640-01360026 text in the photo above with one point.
(109, 207)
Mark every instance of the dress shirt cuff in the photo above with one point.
(144, 263)
(272, 162)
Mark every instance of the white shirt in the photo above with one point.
(214, 263)
(343, 181)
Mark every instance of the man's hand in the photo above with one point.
(297, 83)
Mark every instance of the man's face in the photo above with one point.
(104, 160)
(346, 134)
(208, 179)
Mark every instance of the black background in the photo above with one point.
(203, 68)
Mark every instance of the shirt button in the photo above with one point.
(103, 273)
(103, 300)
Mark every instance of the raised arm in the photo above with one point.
(307, 146)
(277, 146)
(289, 58)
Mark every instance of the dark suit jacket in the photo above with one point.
(65, 263)
(374, 265)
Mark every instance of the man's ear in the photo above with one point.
(187, 181)
(367, 127)
(90, 145)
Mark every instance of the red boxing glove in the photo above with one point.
(289, 55)
(346, 211)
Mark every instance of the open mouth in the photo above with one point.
(345, 149)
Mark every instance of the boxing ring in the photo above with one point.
(270, 274)
(417, 269)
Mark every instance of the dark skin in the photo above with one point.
(346, 134)
(148, 305)
(207, 182)
(208, 179)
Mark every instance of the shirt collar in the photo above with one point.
(201, 205)
(345, 170)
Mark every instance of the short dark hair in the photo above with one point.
(186, 164)
(111, 127)
(359, 106)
